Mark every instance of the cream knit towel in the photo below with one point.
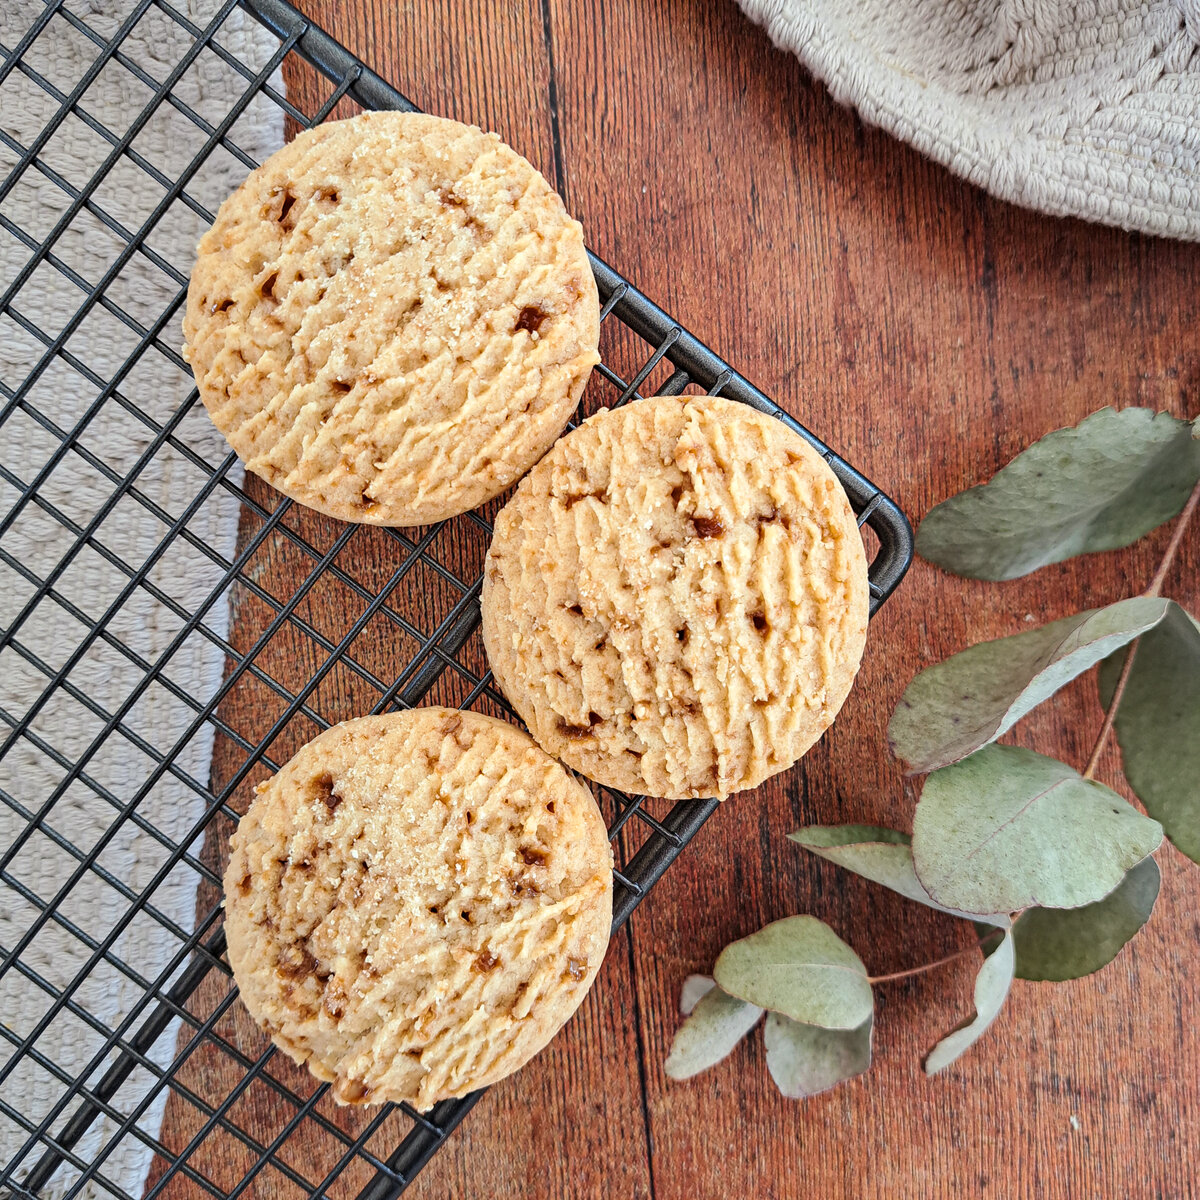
(1085, 108)
(64, 729)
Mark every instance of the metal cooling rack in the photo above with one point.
(372, 1155)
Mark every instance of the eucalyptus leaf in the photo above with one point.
(991, 990)
(953, 708)
(1056, 943)
(1158, 725)
(716, 1024)
(880, 855)
(801, 968)
(1100, 485)
(805, 1060)
(1008, 828)
(694, 987)
(818, 838)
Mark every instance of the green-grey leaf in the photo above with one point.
(819, 837)
(1158, 726)
(991, 990)
(880, 855)
(952, 709)
(805, 1060)
(694, 988)
(1068, 943)
(1007, 829)
(801, 968)
(1097, 486)
(716, 1024)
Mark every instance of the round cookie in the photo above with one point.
(416, 903)
(392, 318)
(675, 598)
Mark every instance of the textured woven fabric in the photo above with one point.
(1085, 108)
(142, 625)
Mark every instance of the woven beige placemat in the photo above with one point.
(1084, 108)
(64, 728)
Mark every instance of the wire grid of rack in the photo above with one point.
(401, 649)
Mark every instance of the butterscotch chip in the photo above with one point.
(675, 598)
(416, 903)
(392, 319)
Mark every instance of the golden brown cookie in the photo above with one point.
(416, 903)
(675, 599)
(392, 319)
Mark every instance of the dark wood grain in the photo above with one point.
(928, 332)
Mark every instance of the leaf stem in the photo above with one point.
(1109, 717)
(937, 962)
(1189, 510)
(1155, 586)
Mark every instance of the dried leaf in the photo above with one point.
(805, 1060)
(991, 990)
(1007, 829)
(716, 1024)
(1158, 726)
(694, 987)
(957, 706)
(801, 968)
(1057, 943)
(1097, 486)
(880, 855)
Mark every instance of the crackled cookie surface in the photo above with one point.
(392, 319)
(675, 598)
(416, 903)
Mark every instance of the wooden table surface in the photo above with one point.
(928, 332)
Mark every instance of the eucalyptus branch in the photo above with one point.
(1189, 510)
(1111, 715)
(937, 962)
(1121, 474)
(1154, 588)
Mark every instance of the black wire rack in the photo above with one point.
(296, 660)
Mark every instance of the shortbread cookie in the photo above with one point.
(416, 903)
(392, 319)
(675, 599)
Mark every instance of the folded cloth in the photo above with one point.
(1084, 108)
